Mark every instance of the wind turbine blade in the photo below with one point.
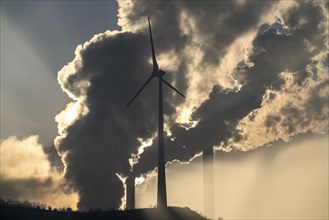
(139, 91)
(168, 84)
(155, 64)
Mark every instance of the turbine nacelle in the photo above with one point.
(155, 73)
(158, 73)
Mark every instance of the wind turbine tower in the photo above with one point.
(157, 73)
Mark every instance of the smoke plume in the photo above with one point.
(254, 72)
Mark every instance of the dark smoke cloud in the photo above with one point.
(53, 157)
(99, 144)
(273, 53)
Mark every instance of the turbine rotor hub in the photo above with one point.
(158, 73)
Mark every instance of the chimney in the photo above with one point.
(208, 182)
(130, 185)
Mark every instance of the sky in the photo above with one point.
(255, 77)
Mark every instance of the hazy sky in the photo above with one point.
(286, 181)
(255, 76)
(37, 39)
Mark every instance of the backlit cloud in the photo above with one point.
(254, 72)
(26, 174)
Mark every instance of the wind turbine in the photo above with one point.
(157, 73)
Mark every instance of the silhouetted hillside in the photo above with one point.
(10, 212)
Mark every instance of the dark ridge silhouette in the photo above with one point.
(12, 212)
